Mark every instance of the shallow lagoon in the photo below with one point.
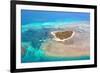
(33, 36)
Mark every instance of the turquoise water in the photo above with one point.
(36, 27)
(34, 55)
(32, 39)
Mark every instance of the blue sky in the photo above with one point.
(33, 16)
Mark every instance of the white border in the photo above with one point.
(20, 65)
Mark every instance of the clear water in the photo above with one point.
(35, 30)
(32, 39)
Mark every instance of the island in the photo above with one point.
(62, 35)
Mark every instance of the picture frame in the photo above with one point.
(18, 9)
